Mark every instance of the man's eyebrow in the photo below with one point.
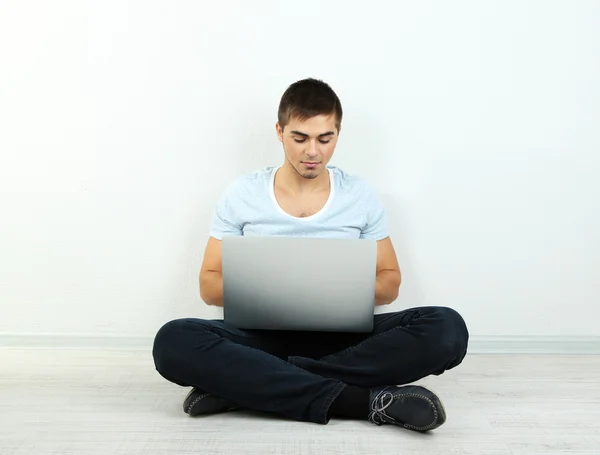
(298, 133)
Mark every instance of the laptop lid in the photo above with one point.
(299, 283)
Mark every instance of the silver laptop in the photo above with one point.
(299, 283)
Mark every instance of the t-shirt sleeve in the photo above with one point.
(376, 227)
(225, 222)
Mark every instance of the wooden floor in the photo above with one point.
(113, 402)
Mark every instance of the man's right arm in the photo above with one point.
(211, 274)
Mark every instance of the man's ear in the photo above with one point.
(279, 130)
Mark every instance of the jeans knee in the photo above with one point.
(175, 342)
(165, 343)
(454, 334)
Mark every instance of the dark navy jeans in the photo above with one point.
(299, 374)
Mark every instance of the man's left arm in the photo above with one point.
(388, 273)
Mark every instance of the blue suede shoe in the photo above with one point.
(412, 407)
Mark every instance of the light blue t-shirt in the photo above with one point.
(249, 207)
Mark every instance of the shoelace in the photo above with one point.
(380, 403)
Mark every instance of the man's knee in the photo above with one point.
(171, 343)
(165, 341)
(453, 332)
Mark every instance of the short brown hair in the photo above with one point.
(308, 98)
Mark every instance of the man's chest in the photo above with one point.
(302, 207)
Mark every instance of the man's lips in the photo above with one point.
(309, 165)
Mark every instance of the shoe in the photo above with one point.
(412, 407)
(199, 402)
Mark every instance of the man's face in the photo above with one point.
(309, 144)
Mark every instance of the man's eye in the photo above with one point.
(300, 141)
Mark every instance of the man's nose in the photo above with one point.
(312, 149)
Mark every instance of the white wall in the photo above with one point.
(121, 122)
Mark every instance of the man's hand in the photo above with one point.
(388, 273)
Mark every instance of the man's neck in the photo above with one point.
(288, 178)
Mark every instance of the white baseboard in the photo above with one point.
(534, 345)
(75, 341)
(477, 344)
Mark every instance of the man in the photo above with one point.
(311, 376)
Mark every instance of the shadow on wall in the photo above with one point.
(411, 292)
